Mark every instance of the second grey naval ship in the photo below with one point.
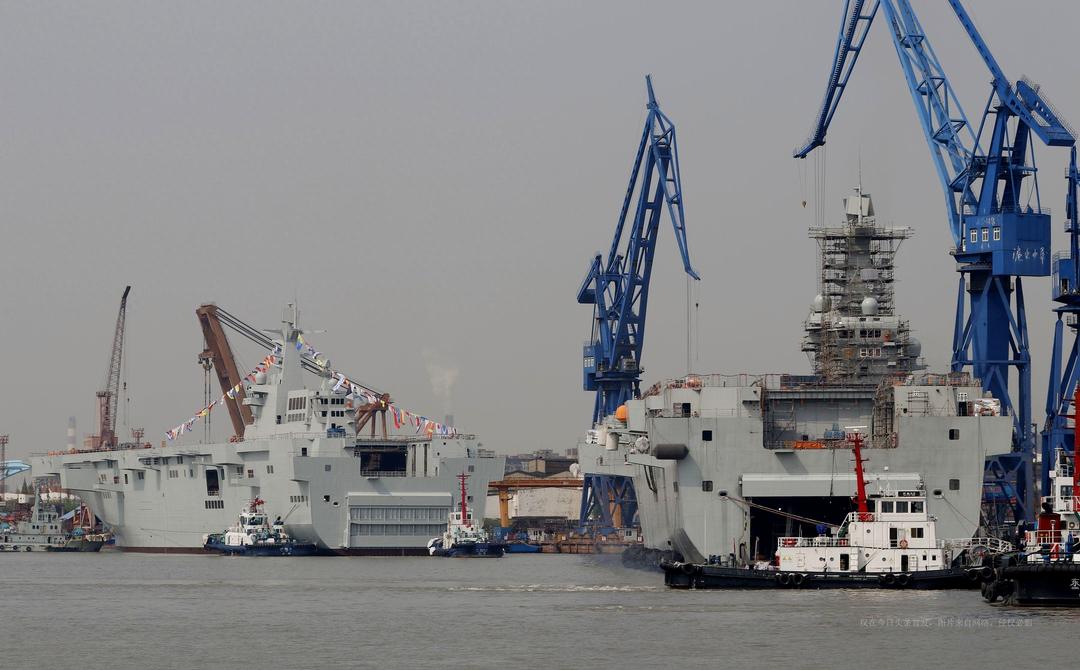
(724, 464)
(301, 454)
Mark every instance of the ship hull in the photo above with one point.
(168, 499)
(697, 576)
(1052, 583)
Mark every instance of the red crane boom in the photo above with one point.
(110, 393)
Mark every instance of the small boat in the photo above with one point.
(463, 537)
(889, 542)
(43, 531)
(254, 535)
(1046, 569)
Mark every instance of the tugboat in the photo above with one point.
(254, 535)
(463, 537)
(1046, 569)
(890, 545)
(43, 532)
(84, 536)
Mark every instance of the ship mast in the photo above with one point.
(464, 495)
(860, 485)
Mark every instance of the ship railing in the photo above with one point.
(383, 473)
(992, 543)
(712, 413)
(1044, 537)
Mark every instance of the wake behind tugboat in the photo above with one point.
(893, 546)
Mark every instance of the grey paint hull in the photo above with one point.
(159, 499)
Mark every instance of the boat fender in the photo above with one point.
(903, 580)
(889, 578)
(688, 568)
(670, 452)
(986, 573)
(784, 578)
(973, 575)
(797, 579)
(779, 578)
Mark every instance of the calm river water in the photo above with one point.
(123, 611)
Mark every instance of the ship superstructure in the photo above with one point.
(344, 492)
(853, 333)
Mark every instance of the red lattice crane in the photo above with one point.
(109, 395)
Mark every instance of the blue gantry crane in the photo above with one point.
(1065, 289)
(1000, 232)
(618, 288)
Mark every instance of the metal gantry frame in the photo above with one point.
(1059, 429)
(999, 231)
(618, 287)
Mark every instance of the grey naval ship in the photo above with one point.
(714, 457)
(344, 492)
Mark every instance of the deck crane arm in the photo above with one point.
(619, 287)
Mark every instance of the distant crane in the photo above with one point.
(998, 234)
(109, 395)
(619, 291)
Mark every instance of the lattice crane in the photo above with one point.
(109, 395)
(619, 287)
(999, 231)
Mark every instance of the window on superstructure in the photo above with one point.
(954, 433)
(954, 484)
(885, 506)
(706, 436)
(140, 475)
(918, 507)
(706, 485)
(901, 507)
(916, 533)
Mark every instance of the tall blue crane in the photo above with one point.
(619, 290)
(619, 287)
(999, 232)
(1065, 289)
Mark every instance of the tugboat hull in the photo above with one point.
(471, 550)
(1035, 584)
(697, 576)
(290, 549)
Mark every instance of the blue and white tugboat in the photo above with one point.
(463, 537)
(889, 542)
(1046, 569)
(254, 535)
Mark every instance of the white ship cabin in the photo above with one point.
(1057, 536)
(896, 535)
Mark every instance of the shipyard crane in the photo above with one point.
(109, 395)
(618, 288)
(999, 232)
(1062, 401)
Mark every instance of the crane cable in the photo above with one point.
(777, 512)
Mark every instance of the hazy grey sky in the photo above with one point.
(430, 180)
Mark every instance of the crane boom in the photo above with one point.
(999, 232)
(619, 287)
(109, 395)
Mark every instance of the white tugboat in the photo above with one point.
(463, 537)
(254, 535)
(1046, 569)
(889, 541)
